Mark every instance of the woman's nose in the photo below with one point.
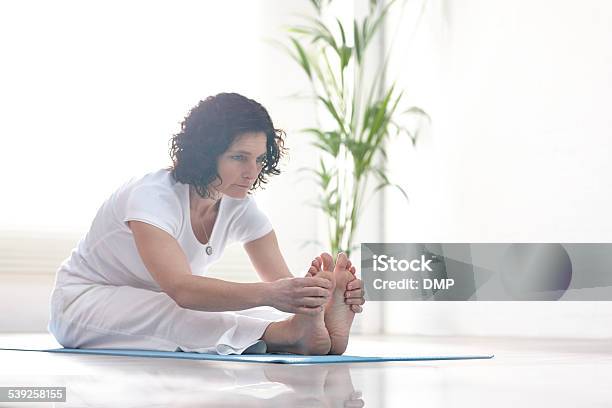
(252, 171)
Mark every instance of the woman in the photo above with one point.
(135, 280)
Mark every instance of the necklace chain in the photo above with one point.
(209, 248)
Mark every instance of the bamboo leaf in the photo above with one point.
(317, 4)
(367, 116)
(300, 30)
(341, 31)
(384, 182)
(333, 81)
(358, 151)
(345, 56)
(357, 41)
(328, 141)
(332, 110)
(422, 114)
(379, 115)
(323, 33)
(364, 33)
(370, 31)
(303, 59)
(378, 171)
(383, 152)
(307, 170)
(401, 190)
(418, 111)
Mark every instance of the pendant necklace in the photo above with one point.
(209, 249)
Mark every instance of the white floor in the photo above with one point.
(524, 372)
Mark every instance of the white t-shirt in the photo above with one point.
(108, 255)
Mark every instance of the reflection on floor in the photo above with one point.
(559, 373)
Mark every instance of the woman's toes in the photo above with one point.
(319, 261)
(327, 262)
(341, 261)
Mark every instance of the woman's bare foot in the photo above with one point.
(316, 266)
(300, 334)
(338, 315)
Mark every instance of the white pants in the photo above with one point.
(102, 316)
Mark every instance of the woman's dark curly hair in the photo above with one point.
(208, 131)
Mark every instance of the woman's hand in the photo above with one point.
(354, 294)
(306, 295)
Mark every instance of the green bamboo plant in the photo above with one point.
(363, 114)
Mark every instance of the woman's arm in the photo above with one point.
(292, 295)
(169, 267)
(270, 265)
(266, 257)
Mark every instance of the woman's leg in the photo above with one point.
(338, 315)
(102, 316)
(300, 334)
(325, 333)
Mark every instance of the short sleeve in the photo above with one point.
(156, 206)
(251, 224)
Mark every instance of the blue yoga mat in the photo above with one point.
(256, 358)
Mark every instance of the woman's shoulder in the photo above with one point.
(155, 176)
(248, 222)
(154, 187)
(160, 179)
(240, 206)
(152, 198)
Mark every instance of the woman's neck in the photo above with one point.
(201, 206)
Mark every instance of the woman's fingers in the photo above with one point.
(312, 301)
(354, 284)
(314, 291)
(354, 296)
(312, 271)
(314, 281)
(351, 268)
(355, 293)
(356, 308)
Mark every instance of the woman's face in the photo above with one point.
(240, 165)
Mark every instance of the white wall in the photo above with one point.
(91, 93)
(519, 94)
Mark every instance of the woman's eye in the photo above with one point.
(260, 161)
